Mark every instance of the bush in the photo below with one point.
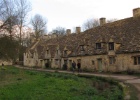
(47, 75)
(90, 91)
(73, 89)
(31, 72)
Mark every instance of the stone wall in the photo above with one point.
(5, 62)
(123, 62)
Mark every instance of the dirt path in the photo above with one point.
(133, 80)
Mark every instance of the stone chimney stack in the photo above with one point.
(102, 21)
(78, 30)
(68, 31)
(136, 12)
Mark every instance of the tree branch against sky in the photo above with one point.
(72, 13)
(8, 15)
(39, 25)
(23, 8)
(13, 13)
(90, 23)
(59, 31)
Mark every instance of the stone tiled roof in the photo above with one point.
(52, 49)
(125, 32)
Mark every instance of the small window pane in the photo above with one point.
(82, 48)
(92, 62)
(98, 45)
(65, 53)
(47, 51)
(111, 46)
(135, 60)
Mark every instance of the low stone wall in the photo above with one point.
(5, 62)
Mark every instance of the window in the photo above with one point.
(98, 45)
(93, 62)
(56, 61)
(136, 60)
(112, 60)
(82, 47)
(47, 51)
(65, 61)
(65, 52)
(57, 52)
(82, 50)
(111, 46)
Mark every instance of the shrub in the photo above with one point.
(31, 72)
(47, 75)
(73, 89)
(90, 91)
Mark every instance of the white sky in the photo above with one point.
(72, 13)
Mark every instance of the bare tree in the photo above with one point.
(13, 12)
(90, 23)
(111, 20)
(39, 25)
(23, 8)
(59, 31)
(8, 15)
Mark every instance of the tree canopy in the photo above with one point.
(8, 48)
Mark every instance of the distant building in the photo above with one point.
(109, 47)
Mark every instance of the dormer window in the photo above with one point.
(65, 52)
(111, 45)
(47, 51)
(57, 51)
(82, 48)
(98, 45)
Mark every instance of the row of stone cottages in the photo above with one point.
(109, 47)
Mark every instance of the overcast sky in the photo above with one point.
(72, 13)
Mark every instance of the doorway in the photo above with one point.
(99, 64)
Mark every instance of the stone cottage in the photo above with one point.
(109, 47)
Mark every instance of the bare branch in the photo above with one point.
(59, 31)
(90, 23)
(39, 25)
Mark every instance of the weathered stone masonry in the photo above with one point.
(109, 47)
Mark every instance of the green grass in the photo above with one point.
(19, 84)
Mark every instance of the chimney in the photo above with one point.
(136, 12)
(78, 30)
(102, 21)
(68, 31)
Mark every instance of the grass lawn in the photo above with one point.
(19, 84)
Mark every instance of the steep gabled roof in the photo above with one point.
(125, 32)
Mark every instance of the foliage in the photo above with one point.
(13, 13)
(9, 48)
